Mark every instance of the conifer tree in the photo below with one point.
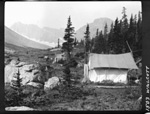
(124, 30)
(117, 37)
(110, 40)
(139, 34)
(93, 41)
(75, 42)
(87, 45)
(99, 46)
(58, 43)
(106, 32)
(16, 84)
(131, 33)
(106, 38)
(67, 47)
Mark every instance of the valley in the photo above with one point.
(43, 73)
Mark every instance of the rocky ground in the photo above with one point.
(51, 94)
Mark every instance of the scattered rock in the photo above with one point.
(37, 85)
(51, 83)
(19, 108)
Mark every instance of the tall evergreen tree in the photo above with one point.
(106, 32)
(68, 47)
(69, 39)
(106, 38)
(131, 33)
(110, 39)
(93, 41)
(16, 85)
(75, 41)
(87, 43)
(58, 43)
(139, 33)
(117, 38)
(99, 46)
(124, 30)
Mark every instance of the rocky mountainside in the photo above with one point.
(51, 35)
(35, 32)
(96, 24)
(14, 38)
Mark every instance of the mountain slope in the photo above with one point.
(33, 31)
(96, 24)
(51, 35)
(18, 40)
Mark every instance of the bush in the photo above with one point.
(29, 90)
(80, 55)
(132, 75)
(133, 93)
(61, 61)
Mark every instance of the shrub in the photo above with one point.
(133, 92)
(80, 55)
(61, 61)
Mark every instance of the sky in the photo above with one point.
(55, 14)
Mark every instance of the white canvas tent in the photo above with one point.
(108, 67)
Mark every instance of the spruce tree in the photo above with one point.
(139, 34)
(87, 45)
(106, 38)
(110, 40)
(99, 46)
(117, 39)
(58, 43)
(93, 41)
(16, 85)
(131, 33)
(67, 47)
(75, 42)
(124, 30)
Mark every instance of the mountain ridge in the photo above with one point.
(98, 23)
(14, 38)
(51, 35)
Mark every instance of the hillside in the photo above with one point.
(33, 31)
(51, 35)
(96, 24)
(14, 38)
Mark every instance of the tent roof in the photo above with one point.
(122, 61)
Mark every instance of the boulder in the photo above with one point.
(28, 73)
(10, 72)
(20, 64)
(19, 108)
(51, 83)
(14, 62)
(34, 76)
(37, 85)
(29, 67)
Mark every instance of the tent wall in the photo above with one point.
(116, 75)
(86, 73)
